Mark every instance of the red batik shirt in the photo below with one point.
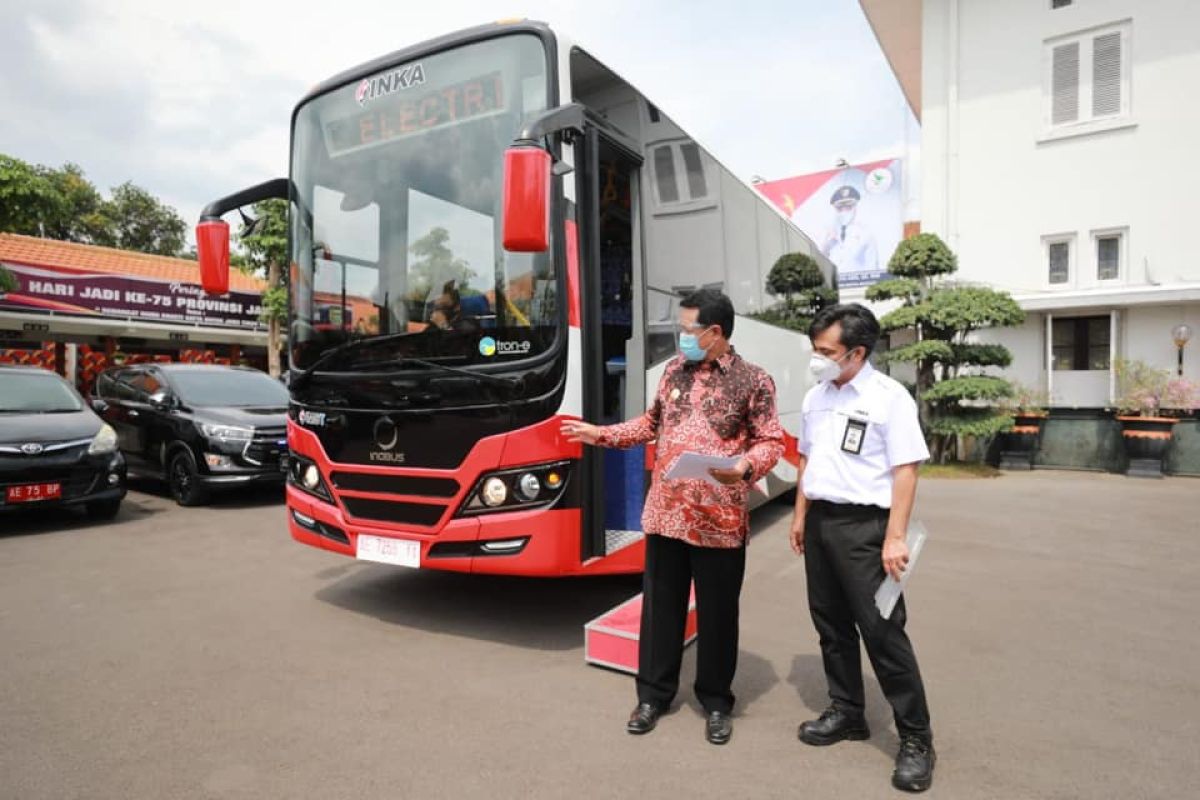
(723, 407)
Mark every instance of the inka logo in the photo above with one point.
(490, 347)
(389, 82)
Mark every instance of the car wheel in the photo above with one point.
(184, 480)
(103, 509)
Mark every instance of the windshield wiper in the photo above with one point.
(507, 381)
(305, 375)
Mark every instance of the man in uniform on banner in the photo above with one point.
(848, 243)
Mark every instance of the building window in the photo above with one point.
(1059, 254)
(1108, 256)
(1088, 78)
(1060, 261)
(1081, 343)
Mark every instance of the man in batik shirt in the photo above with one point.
(713, 402)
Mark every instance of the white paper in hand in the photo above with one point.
(888, 593)
(695, 466)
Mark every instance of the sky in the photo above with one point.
(194, 105)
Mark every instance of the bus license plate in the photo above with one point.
(400, 552)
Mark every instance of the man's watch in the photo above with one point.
(748, 474)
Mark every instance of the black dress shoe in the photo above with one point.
(643, 719)
(914, 764)
(718, 728)
(834, 726)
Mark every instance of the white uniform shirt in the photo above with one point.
(873, 415)
(852, 248)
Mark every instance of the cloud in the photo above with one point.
(193, 105)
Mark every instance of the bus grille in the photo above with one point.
(388, 511)
(396, 484)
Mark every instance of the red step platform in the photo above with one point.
(611, 639)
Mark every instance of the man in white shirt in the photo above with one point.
(860, 450)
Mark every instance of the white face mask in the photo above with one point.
(845, 216)
(824, 368)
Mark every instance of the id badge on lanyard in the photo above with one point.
(854, 434)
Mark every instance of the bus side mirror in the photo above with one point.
(527, 170)
(212, 248)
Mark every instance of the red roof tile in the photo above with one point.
(34, 252)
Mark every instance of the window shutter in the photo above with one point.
(1106, 74)
(1065, 80)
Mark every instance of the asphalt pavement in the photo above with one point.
(200, 653)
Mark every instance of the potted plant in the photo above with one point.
(1149, 402)
(1019, 444)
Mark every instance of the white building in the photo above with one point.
(1058, 139)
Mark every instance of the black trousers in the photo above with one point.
(671, 566)
(843, 545)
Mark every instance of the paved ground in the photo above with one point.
(201, 653)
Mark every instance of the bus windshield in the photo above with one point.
(396, 214)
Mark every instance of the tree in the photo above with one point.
(83, 219)
(434, 264)
(63, 204)
(797, 278)
(134, 219)
(29, 200)
(266, 249)
(955, 395)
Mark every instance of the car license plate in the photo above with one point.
(400, 552)
(33, 492)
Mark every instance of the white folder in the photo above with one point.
(890, 590)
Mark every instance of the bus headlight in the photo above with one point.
(529, 486)
(495, 492)
(517, 489)
(311, 477)
(306, 476)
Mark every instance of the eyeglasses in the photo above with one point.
(696, 329)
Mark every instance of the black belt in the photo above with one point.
(853, 510)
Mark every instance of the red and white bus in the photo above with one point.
(510, 224)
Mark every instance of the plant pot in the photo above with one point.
(1146, 441)
(1019, 446)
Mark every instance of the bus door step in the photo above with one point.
(611, 639)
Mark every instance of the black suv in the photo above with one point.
(53, 449)
(199, 427)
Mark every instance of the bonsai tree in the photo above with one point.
(797, 278)
(956, 397)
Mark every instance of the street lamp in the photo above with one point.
(1181, 334)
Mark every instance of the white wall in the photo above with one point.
(1147, 337)
(994, 184)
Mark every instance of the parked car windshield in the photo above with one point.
(36, 393)
(235, 387)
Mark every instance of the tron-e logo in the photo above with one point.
(490, 347)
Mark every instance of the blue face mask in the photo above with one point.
(689, 345)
